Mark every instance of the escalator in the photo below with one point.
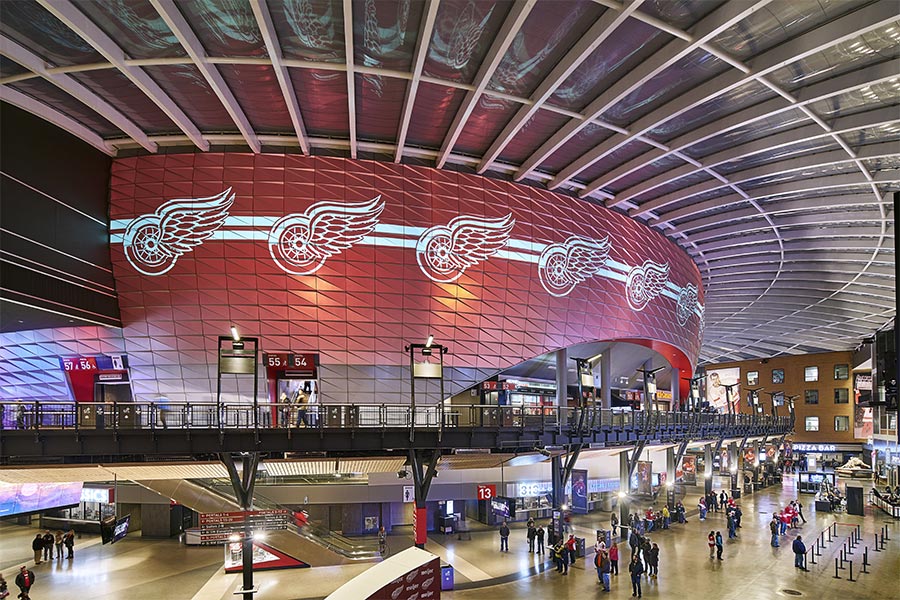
(312, 544)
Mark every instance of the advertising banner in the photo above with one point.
(579, 491)
(689, 470)
(717, 393)
(645, 477)
(420, 525)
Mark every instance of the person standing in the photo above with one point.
(711, 541)
(25, 579)
(634, 540)
(4, 588)
(382, 539)
(48, 545)
(666, 515)
(539, 537)
(37, 545)
(702, 506)
(531, 535)
(636, 569)
(653, 561)
(601, 561)
(58, 542)
(773, 527)
(20, 415)
(69, 543)
(799, 549)
(614, 559)
(504, 537)
(731, 532)
(720, 546)
(571, 548)
(737, 516)
(614, 524)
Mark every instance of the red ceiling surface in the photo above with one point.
(369, 299)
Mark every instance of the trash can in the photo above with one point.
(624, 532)
(579, 547)
(446, 578)
(605, 536)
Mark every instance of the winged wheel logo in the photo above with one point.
(644, 283)
(444, 252)
(562, 266)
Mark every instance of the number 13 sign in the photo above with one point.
(486, 492)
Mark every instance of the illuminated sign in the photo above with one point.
(102, 495)
(815, 448)
(533, 488)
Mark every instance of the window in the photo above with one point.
(752, 377)
(811, 374)
(812, 423)
(841, 396)
(841, 372)
(777, 375)
(811, 396)
(842, 423)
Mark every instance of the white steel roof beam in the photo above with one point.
(608, 22)
(426, 28)
(69, 85)
(170, 13)
(350, 63)
(719, 20)
(51, 115)
(273, 47)
(67, 12)
(511, 26)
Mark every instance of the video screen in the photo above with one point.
(22, 498)
(500, 507)
(112, 530)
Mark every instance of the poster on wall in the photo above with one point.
(645, 477)
(724, 461)
(579, 491)
(689, 470)
(717, 393)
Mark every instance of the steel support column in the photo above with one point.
(424, 470)
(243, 484)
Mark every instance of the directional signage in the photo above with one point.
(486, 492)
(409, 493)
(221, 525)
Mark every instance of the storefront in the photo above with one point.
(97, 503)
(824, 456)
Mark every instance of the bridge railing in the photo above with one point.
(37, 415)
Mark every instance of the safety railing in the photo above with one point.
(36, 415)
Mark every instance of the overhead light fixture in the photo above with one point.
(234, 334)
(565, 507)
(707, 475)
(402, 473)
(429, 341)
(670, 484)
(542, 451)
(622, 494)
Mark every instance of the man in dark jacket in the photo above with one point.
(48, 545)
(636, 568)
(799, 549)
(531, 535)
(601, 561)
(25, 579)
(37, 546)
(634, 540)
(504, 537)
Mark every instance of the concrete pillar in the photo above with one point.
(707, 467)
(670, 478)
(624, 491)
(648, 402)
(676, 388)
(562, 380)
(734, 469)
(606, 379)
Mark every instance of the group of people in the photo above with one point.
(714, 502)
(788, 517)
(43, 545)
(535, 537)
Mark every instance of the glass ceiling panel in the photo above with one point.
(435, 107)
(733, 203)
(661, 165)
(824, 171)
(385, 33)
(589, 136)
(852, 195)
(673, 186)
(135, 26)
(311, 30)
(732, 101)
(9, 68)
(819, 144)
(47, 93)
(884, 163)
(547, 34)
(631, 44)
(787, 119)
(257, 92)
(779, 22)
(488, 117)
(379, 102)
(873, 135)
(612, 160)
(866, 98)
(188, 89)
(46, 36)
(463, 33)
(870, 48)
(537, 130)
(322, 96)
(224, 27)
(689, 72)
(683, 14)
(118, 90)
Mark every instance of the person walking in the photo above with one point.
(614, 524)
(636, 569)
(653, 561)
(504, 537)
(737, 516)
(702, 506)
(731, 532)
(48, 545)
(20, 415)
(773, 527)
(531, 535)
(614, 559)
(69, 543)
(711, 541)
(382, 539)
(539, 537)
(799, 549)
(800, 511)
(720, 546)
(25, 579)
(601, 561)
(37, 546)
(58, 542)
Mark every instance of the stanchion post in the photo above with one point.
(851, 571)
(813, 557)
(865, 560)
(836, 576)
(829, 535)
(877, 547)
(849, 547)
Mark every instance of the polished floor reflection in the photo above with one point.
(142, 569)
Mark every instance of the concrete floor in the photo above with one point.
(139, 569)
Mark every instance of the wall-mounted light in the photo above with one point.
(565, 507)
(429, 341)
(234, 334)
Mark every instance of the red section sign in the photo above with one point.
(486, 492)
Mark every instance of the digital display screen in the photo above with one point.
(500, 507)
(21, 498)
(112, 530)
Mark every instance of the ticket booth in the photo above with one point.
(97, 384)
(293, 390)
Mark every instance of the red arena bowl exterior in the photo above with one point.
(354, 259)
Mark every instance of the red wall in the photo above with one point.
(367, 301)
